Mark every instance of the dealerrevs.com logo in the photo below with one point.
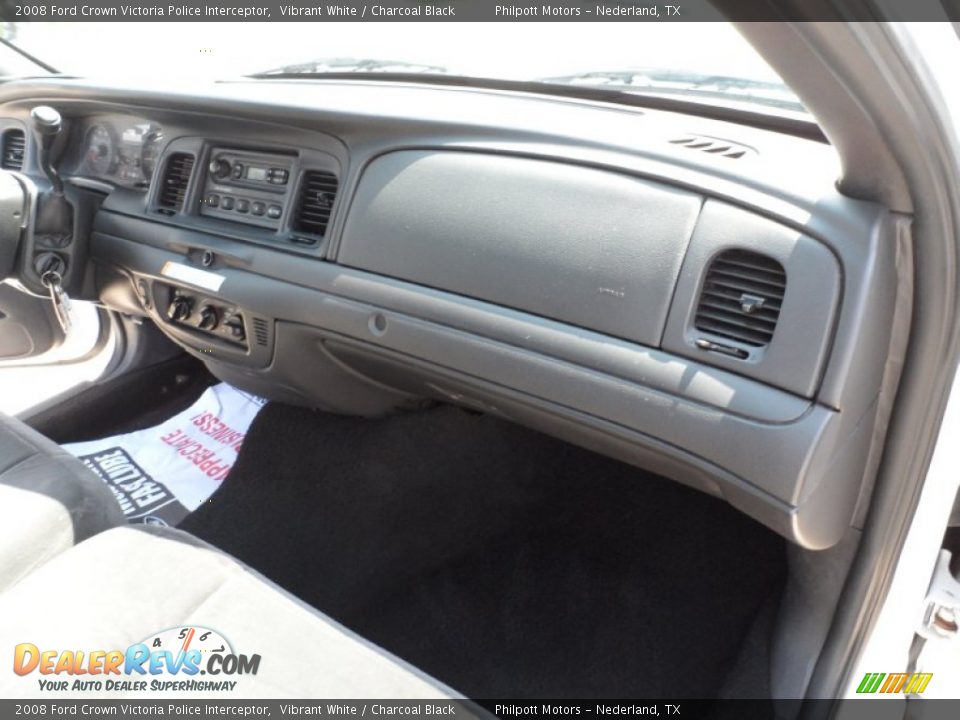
(178, 659)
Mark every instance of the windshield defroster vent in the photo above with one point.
(176, 178)
(712, 146)
(318, 190)
(741, 298)
(13, 146)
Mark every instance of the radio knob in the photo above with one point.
(219, 168)
(208, 318)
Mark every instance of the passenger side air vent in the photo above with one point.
(13, 146)
(318, 190)
(741, 298)
(176, 178)
(713, 146)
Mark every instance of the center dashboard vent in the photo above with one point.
(176, 178)
(318, 190)
(741, 297)
(12, 147)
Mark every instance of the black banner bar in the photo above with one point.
(478, 10)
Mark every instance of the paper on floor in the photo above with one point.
(161, 474)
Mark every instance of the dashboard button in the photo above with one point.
(227, 202)
(278, 176)
(234, 326)
(274, 212)
(237, 171)
(213, 200)
(258, 208)
(243, 205)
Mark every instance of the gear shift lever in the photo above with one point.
(47, 125)
(53, 224)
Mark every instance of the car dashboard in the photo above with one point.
(685, 294)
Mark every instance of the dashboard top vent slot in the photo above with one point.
(318, 190)
(176, 178)
(713, 146)
(14, 144)
(741, 297)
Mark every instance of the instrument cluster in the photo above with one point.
(120, 149)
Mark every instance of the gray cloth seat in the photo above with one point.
(137, 584)
(49, 501)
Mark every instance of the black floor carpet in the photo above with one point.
(501, 561)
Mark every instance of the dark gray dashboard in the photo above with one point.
(586, 270)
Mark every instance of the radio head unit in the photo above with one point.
(247, 187)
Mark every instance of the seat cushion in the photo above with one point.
(49, 501)
(136, 583)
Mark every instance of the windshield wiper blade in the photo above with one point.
(334, 66)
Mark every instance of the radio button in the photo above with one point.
(274, 212)
(237, 171)
(226, 203)
(258, 208)
(243, 205)
(213, 200)
(278, 176)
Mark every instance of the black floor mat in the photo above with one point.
(501, 561)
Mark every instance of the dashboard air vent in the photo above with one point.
(317, 193)
(713, 146)
(176, 177)
(13, 145)
(741, 297)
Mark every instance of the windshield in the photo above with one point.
(702, 61)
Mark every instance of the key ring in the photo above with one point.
(51, 278)
(53, 281)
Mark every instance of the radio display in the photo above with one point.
(257, 174)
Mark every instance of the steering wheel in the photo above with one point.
(13, 212)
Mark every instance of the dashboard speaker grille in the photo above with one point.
(13, 146)
(317, 193)
(741, 297)
(713, 146)
(260, 331)
(176, 177)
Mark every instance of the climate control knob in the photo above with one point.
(208, 318)
(179, 308)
